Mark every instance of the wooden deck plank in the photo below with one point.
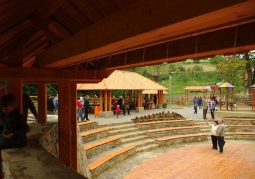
(237, 161)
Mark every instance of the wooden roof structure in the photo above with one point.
(123, 80)
(195, 88)
(83, 41)
(114, 34)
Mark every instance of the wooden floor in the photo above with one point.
(237, 162)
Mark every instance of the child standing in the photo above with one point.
(117, 111)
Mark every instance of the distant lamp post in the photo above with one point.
(169, 92)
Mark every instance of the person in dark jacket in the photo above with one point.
(28, 104)
(13, 127)
(50, 105)
(86, 107)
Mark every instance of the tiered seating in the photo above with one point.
(177, 139)
(102, 151)
(161, 124)
(155, 133)
(110, 159)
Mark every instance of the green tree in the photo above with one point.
(217, 59)
(231, 70)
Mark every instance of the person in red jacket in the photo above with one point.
(79, 107)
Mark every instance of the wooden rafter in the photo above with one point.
(124, 30)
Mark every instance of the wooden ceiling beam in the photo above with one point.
(46, 8)
(205, 45)
(146, 23)
(54, 38)
(18, 41)
(37, 74)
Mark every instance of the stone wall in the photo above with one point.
(82, 158)
(49, 141)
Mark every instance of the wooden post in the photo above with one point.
(105, 100)
(109, 100)
(42, 103)
(15, 87)
(67, 125)
(101, 100)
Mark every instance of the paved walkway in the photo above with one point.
(186, 112)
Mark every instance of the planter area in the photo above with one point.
(162, 116)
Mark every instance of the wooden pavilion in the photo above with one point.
(124, 80)
(194, 88)
(68, 42)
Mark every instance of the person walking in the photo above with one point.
(195, 104)
(214, 136)
(86, 107)
(55, 102)
(79, 112)
(205, 107)
(220, 132)
(212, 105)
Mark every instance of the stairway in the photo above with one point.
(131, 135)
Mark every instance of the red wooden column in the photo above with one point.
(42, 102)
(67, 123)
(15, 87)
(109, 100)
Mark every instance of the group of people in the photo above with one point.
(52, 104)
(120, 106)
(217, 135)
(205, 104)
(83, 104)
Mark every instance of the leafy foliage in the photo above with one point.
(232, 70)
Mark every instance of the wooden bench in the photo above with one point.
(169, 140)
(244, 135)
(241, 128)
(161, 124)
(239, 121)
(155, 133)
(100, 146)
(110, 159)
(94, 134)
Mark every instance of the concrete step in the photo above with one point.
(122, 131)
(115, 124)
(205, 130)
(141, 143)
(94, 158)
(132, 134)
(146, 148)
(123, 126)
(134, 139)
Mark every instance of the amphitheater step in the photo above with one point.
(115, 124)
(105, 162)
(141, 143)
(122, 131)
(124, 126)
(134, 139)
(98, 146)
(99, 155)
(146, 148)
(132, 134)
